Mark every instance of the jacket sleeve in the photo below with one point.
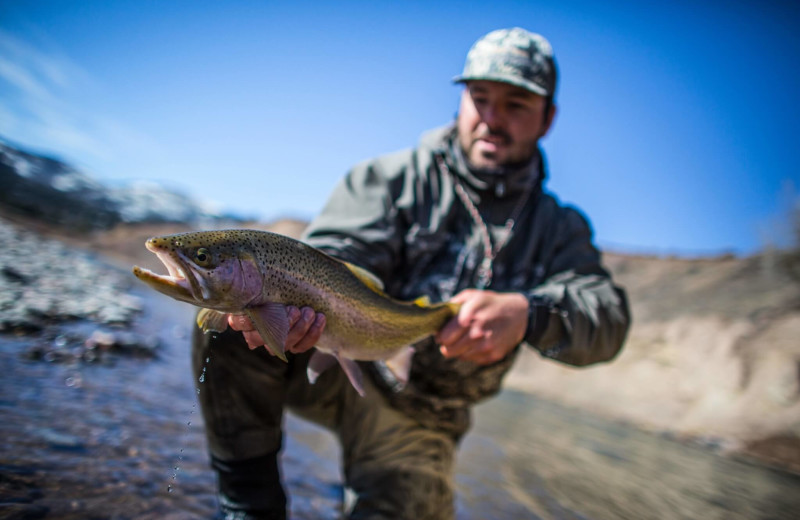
(359, 222)
(577, 316)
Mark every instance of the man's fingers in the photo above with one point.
(294, 315)
(481, 354)
(460, 347)
(452, 332)
(312, 336)
(300, 327)
(253, 339)
(240, 322)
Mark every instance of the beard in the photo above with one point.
(518, 154)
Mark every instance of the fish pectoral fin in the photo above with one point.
(319, 363)
(272, 322)
(400, 364)
(367, 278)
(210, 320)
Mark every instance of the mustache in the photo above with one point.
(497, 134)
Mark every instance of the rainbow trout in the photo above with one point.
(258, 273)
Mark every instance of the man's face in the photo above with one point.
(500, 124)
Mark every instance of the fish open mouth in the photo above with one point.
(181, 282)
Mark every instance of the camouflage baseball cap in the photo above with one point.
(514, 56)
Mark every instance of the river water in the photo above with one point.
(124, 440)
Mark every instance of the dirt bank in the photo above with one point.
(713, 354)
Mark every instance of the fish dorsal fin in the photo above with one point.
(210, 320)
(366, 277)
(272, 323)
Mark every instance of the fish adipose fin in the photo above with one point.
(422, 301)
(272, 323)
(210, 320)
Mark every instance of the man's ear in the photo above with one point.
(548, 119)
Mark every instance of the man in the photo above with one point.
(461, 217)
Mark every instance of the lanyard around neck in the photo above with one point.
(490, 251)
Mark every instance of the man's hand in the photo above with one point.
(305, 328)
(488, 326)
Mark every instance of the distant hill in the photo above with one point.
(56, 193)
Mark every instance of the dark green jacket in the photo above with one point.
(399, 217)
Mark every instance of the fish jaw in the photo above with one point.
(182, 282)
(177, 288)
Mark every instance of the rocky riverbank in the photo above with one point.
(79, 307)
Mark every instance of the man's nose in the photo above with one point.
(492, 116)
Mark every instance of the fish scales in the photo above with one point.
(251, 272)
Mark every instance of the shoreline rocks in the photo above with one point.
(43, 282)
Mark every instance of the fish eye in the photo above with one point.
(202, 257)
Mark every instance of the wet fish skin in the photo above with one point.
(258, 273)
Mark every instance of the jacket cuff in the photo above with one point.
(539, 311)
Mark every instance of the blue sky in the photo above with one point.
(677, 129)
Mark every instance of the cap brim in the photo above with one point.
(512, 80)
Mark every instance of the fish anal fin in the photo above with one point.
(210, 320)
(272, 322)
(354, 374)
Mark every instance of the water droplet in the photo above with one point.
(202, 377)
(169, 489)
(189, 423)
